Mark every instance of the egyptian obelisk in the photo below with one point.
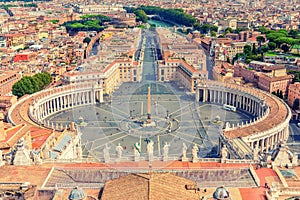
(149, 106)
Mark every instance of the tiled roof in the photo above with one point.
(149, 186)
(39, 136)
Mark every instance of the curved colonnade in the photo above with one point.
(271, 115)
(268, 129)
(39, 106)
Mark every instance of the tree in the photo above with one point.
(247, 49)
(253, 48)
(228, 30)
(31, 84)
(260, 39)
(213, 34)
(294, 33)
(141, 16)
(285, 47)
(272, 45)
(264, 49)
(263, 30)
(273, 36)
(296, 104)
(87, 40)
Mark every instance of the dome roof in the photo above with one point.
(221, 193)
(77, 194)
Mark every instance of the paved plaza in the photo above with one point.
(175, 115)
(116, 121)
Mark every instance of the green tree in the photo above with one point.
(295, 33)
(31, 84)
(253, 48)
(87, 40)
(273, 36)
(213, 34)
(263, 30)
(272, 45)
(260, 40)
(247, 49)
(285, 47)
(141, 16)
(264, 49)
(228, 30)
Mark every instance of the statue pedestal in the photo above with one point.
(150, 158)
(136, 158)
(184, 159)
(195, 160)
(149, 124)
(165, 158)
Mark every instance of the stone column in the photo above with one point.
(51, 106)
(251, 106)
(67, 101)
(286, 133)
(101, 96)
(197, 95)
(81, 98)
(47, 108)
(262, 145)
(72, 100)
(205, 94)
(267, 144)
(55, 104)
(58, 104)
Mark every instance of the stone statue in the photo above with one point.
(166, 151)
(184, 149)
(195, 153)
(150, 150)
(137, 151)
(106, 153)
(224, 153)
(37, 159)
(119, 150)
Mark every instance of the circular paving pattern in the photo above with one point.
(176, 119)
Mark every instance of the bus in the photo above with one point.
(229, 107)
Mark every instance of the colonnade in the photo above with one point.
(270, 141)
(62, 99)
(238, 99)
(252, 101)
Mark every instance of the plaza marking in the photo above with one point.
(110, 142)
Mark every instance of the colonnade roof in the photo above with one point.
(278, 113)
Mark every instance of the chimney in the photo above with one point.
(2, 132)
